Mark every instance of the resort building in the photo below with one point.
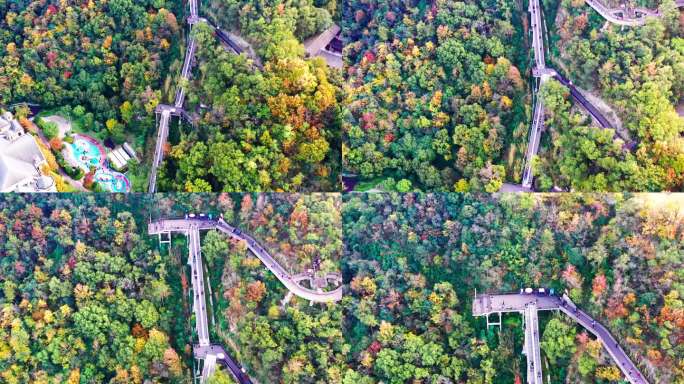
(327, 45)
(21, 160)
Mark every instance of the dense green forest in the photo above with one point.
(269, 122)
(84, 298)
(437, 100)
(279, 341)
(414, 262)
(639, 72)
(105, 60)
(88, 296)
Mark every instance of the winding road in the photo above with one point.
(291, 282)
(486, 304)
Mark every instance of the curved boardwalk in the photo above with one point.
(484, 305)
(209, 353)
(627, 17)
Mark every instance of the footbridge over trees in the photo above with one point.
(542, 73)
(209, 354)
(621, 16)
(529, 304)
(164, 112)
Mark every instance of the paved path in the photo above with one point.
(208, 368)
(579, 98)
(286, 278)
(197, 278)
(199, 299)
(77, 185)
(483, 305)
(191, 230)
(177, 108)
(162, 134)
(592, 110)
(185, 73)
(631, 17)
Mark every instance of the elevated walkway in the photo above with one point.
(529, 304)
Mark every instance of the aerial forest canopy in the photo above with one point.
(639, 73)
(106, 58)
(437, 102)
(84, 299)
(269, 121)
(415, 261)
(436, 93)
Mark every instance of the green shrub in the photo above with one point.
(403, 185)
(49, 129)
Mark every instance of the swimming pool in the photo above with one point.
(86, 152)
(112, 181)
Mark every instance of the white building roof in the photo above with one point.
(20, 160)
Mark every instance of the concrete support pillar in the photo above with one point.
(163, 240)
(494, 323)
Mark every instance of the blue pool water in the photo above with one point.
(112, 181)
(85, 153)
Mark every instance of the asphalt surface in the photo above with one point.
(514, 302)
(579, 98)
